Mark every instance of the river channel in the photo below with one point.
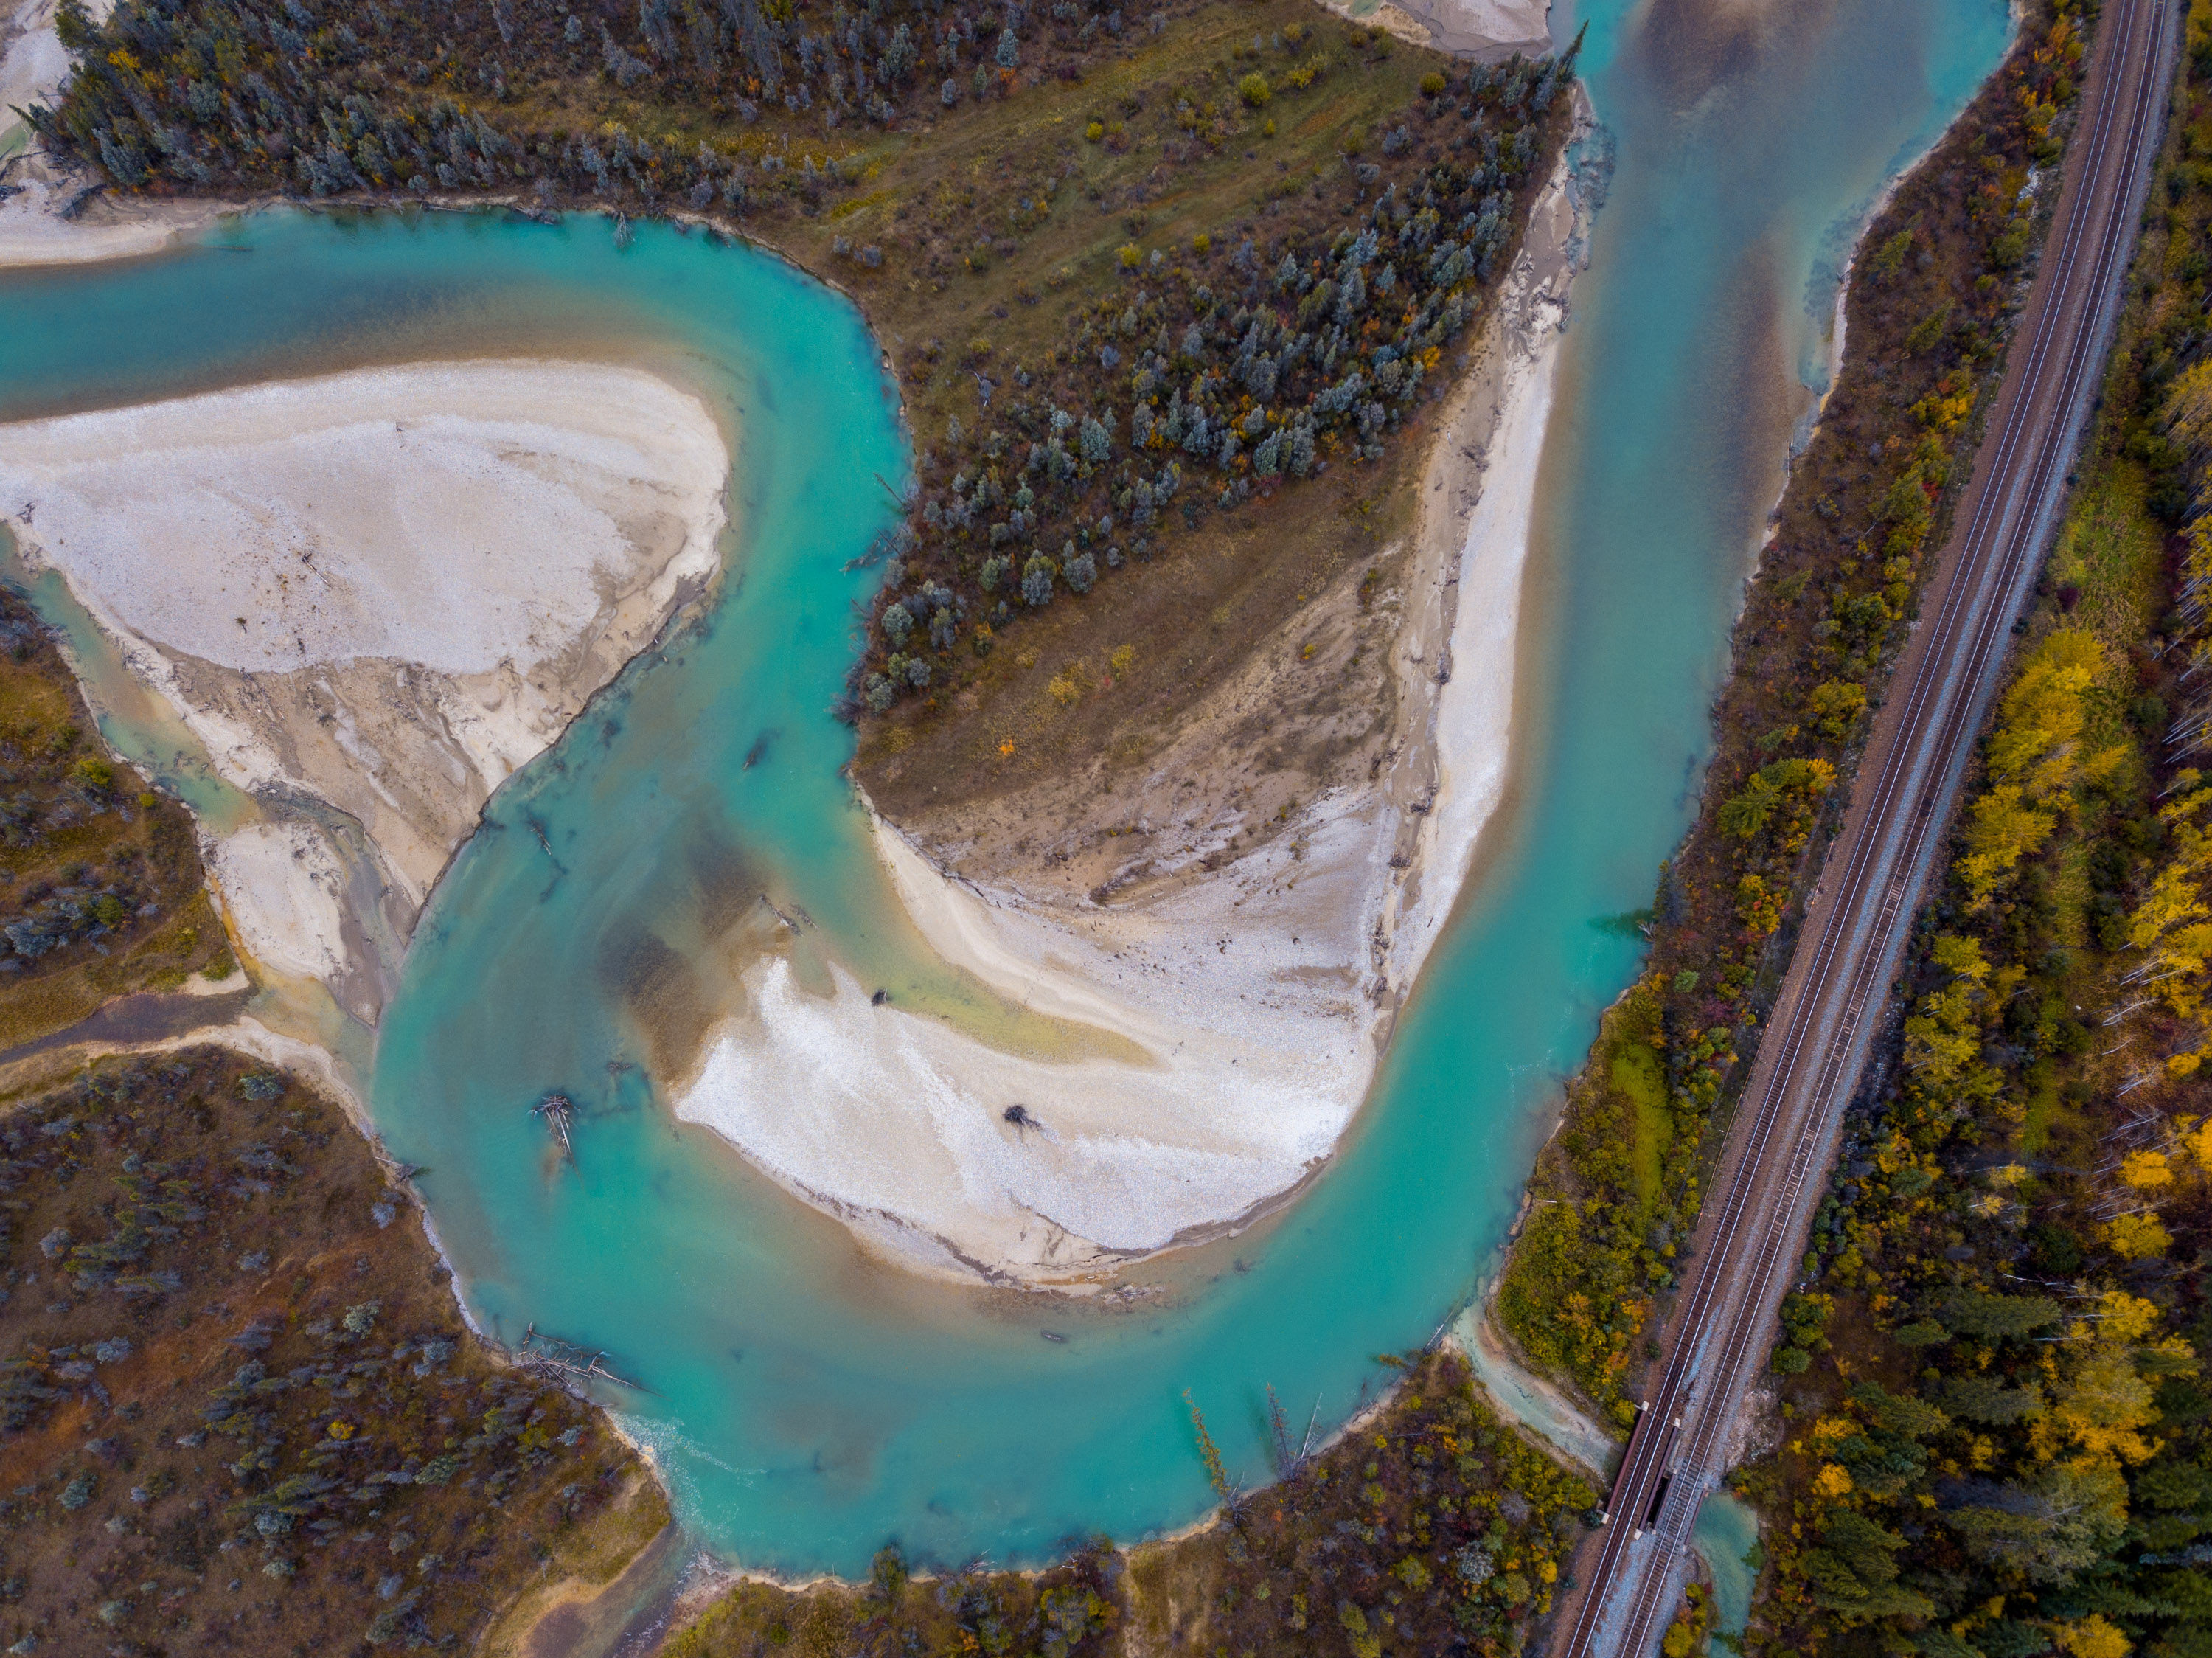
(807, 1405)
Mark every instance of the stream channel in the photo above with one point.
(808, 1405)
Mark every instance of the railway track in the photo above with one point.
(1856, 925)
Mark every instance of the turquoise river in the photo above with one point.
(807, 1405)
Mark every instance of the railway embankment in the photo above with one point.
(1935, 293)
(2005, 1269)
(1860, 911)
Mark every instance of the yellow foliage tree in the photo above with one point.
(2001, 829)
(2103, 1407)
(2146, 1170)
(2126, 1319)
(2180, 962)
(2173, 925)
(1835, 705)
(1962, 956)
(1946, 408)
(2137, 1237)
(2172, 900)
(2092, 1637)
(1759, 910)
(2034, 758)
(2042, 715)
(2189, 407)
(1943, 1037)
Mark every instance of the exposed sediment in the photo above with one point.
(1485, 29)
(371, 597)
(1259, 987)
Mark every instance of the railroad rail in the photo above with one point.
(1856, 925)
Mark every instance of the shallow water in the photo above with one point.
(807, 1405)
(1726, 1534)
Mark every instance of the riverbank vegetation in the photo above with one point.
(1171, 290)
(1430, 1528)
(1934, 289)
(1995, 1441)
(100, 888)
(1230, 406)
(238, 1412)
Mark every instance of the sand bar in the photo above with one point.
(1490, 31)
(33, 65)
(386, 589)
(1261, 992)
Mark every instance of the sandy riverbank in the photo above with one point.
(1487, 30)
(32, 230)
(1259, 990)
(382, 591)
(33, 65)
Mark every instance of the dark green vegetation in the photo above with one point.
(1237, 344)
(1431, 1529)
(1145, 275)
(1071, 1610)
(101, 890)
(1933, 296)
(1244, 360)
(238, 1412)
(1996, 1435)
